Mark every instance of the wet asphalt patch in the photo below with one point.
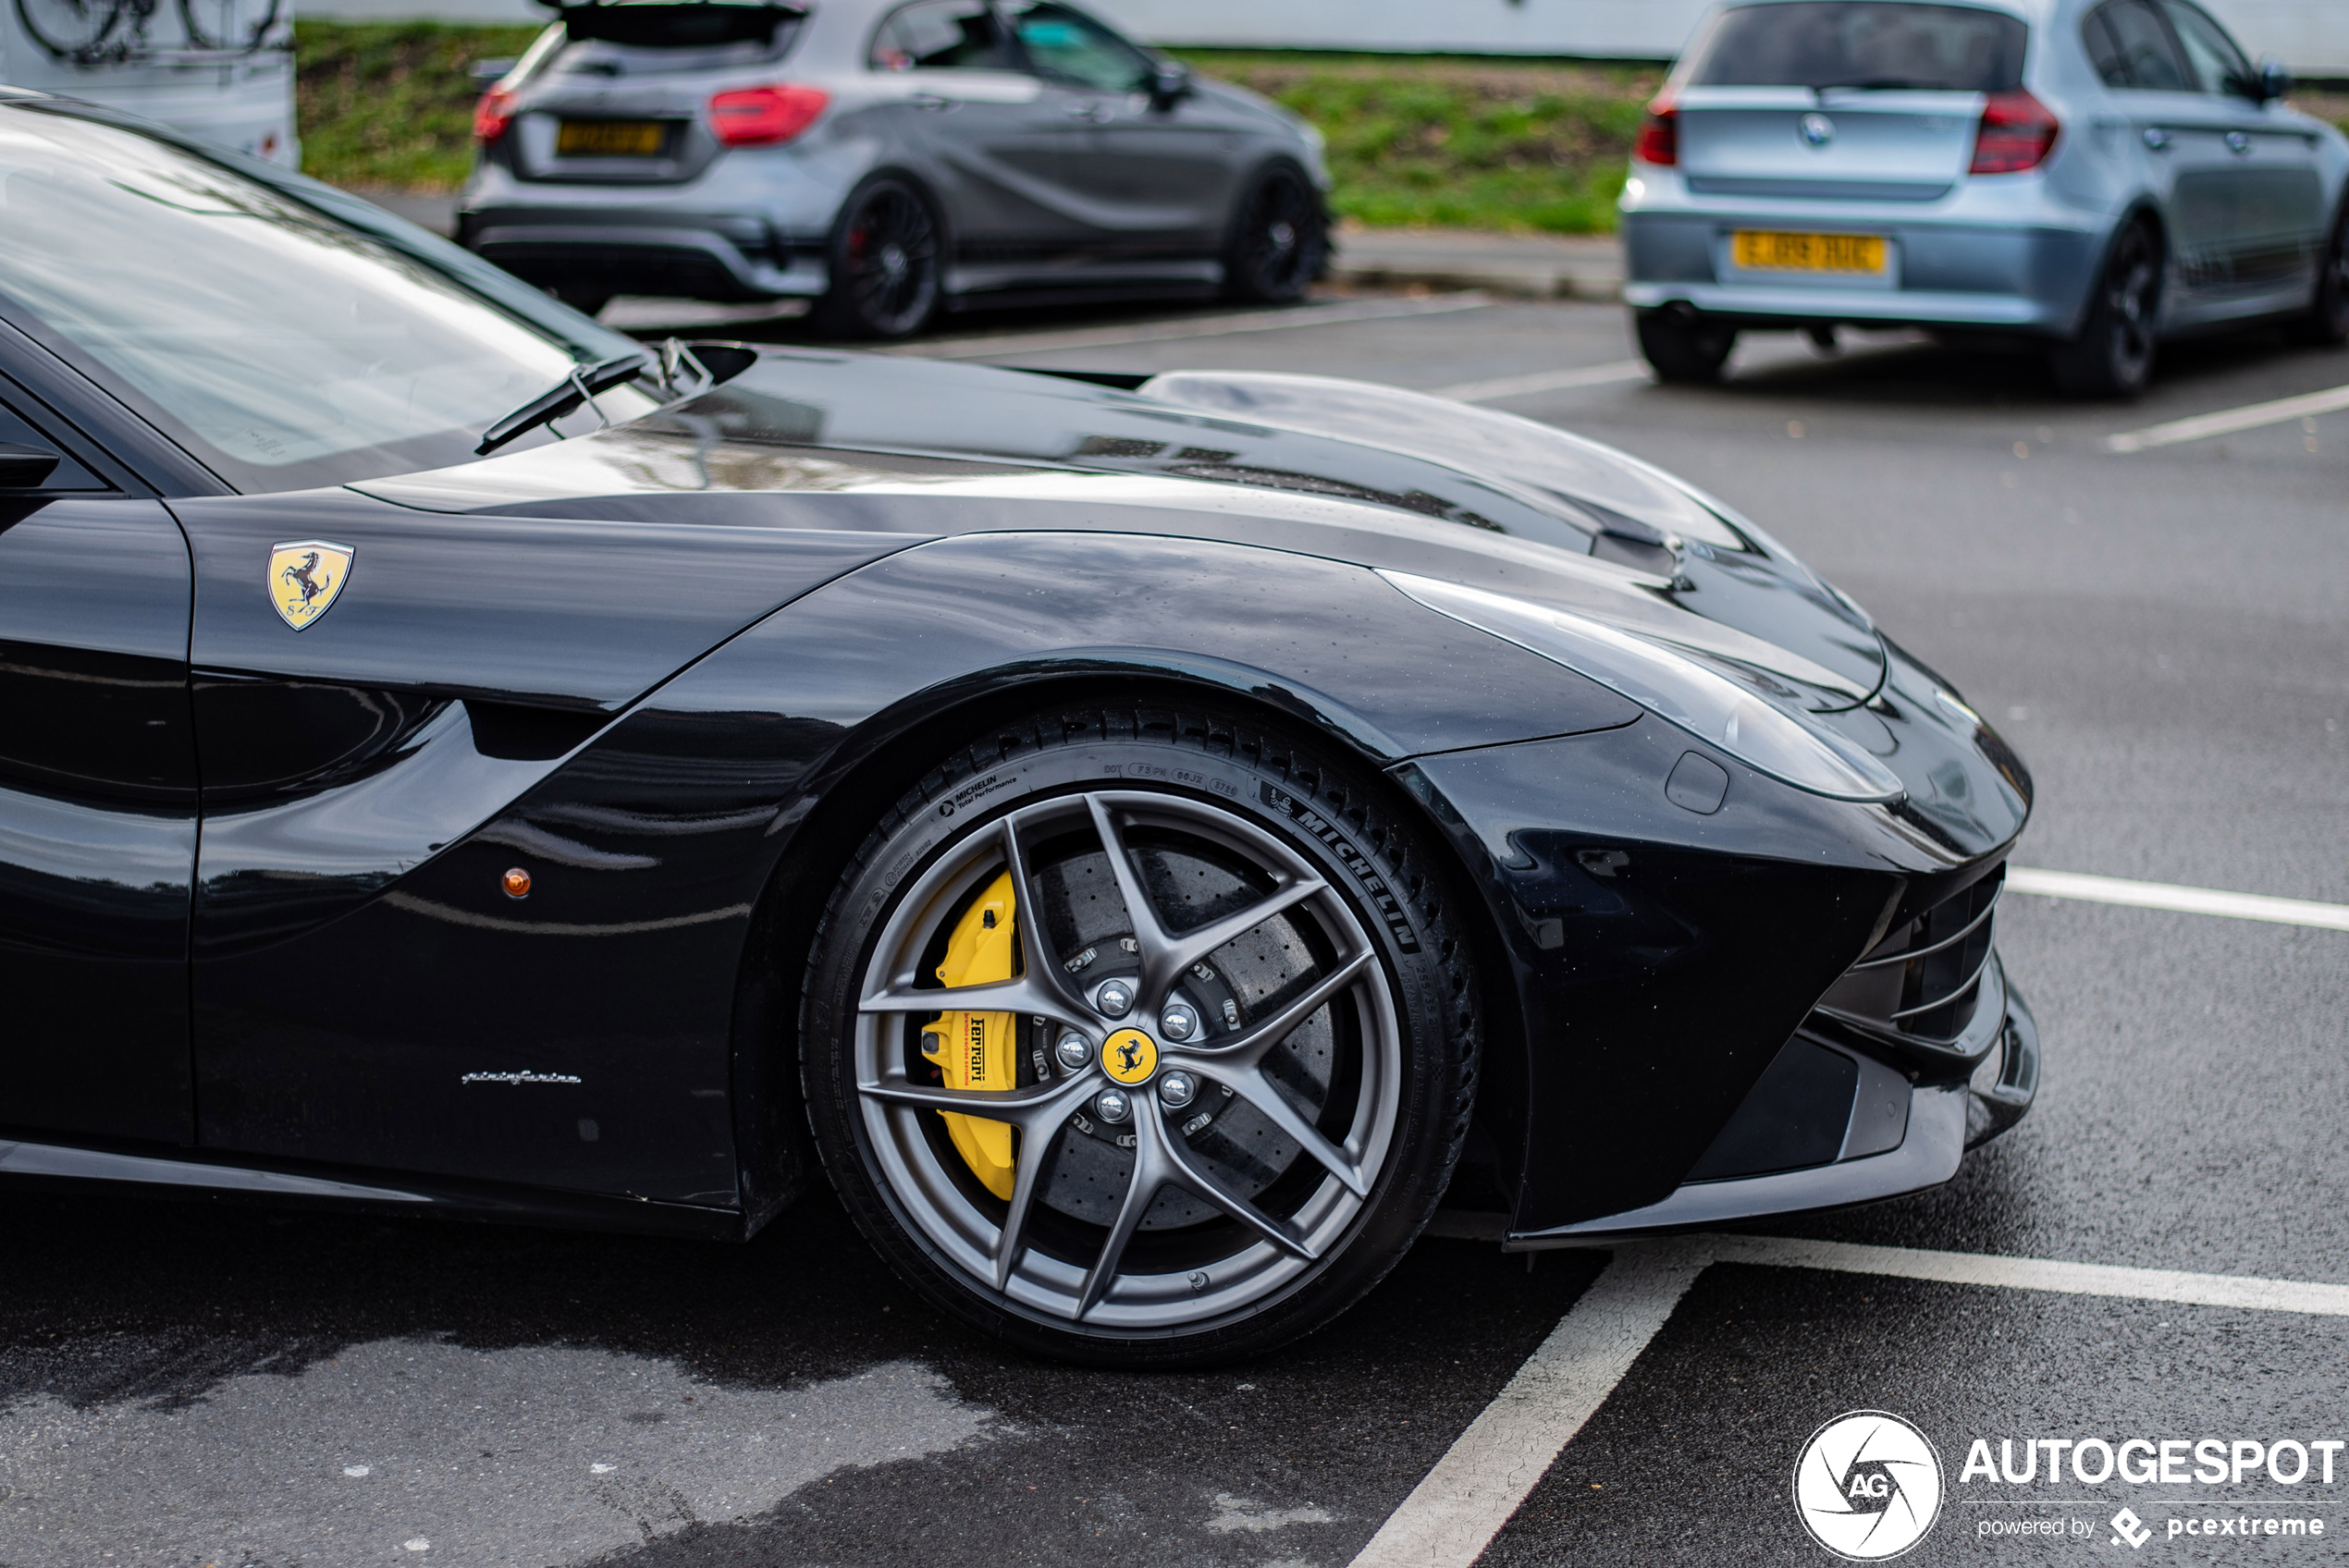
(197, 1383)
(1692, 1458)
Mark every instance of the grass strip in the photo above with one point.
(391, 104)
(1459, 142)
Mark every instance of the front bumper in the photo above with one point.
(1785, 1002)
(1936, 1124)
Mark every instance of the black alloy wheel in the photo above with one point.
(1241, 1033)
(2112, 357)
(2326, 324)
(1279, 240)
(1683, 347)
(887, 263)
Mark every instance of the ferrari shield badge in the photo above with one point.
(305, 578)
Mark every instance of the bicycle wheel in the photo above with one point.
(71, 30)
(238, 25)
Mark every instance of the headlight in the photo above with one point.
(1673, 686)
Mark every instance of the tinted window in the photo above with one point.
(941, 35)
(1070, 46)
(2217, 64)
(16, 431)
(284, 348)
(2140, 49)
(1821, 43)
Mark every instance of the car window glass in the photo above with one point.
(16, 430)
(2217, 64)
(1886, 44)
(941, 35)
(283, 348)
(1070, 46)
(2104, 51)
(2149, 60)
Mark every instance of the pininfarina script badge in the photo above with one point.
(305, 578)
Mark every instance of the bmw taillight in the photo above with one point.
(2017, 133)
(493, 115)
(750, 117)
(1659, 141)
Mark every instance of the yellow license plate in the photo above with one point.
(608, 138)
(1772, 251)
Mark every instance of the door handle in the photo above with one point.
(2238, 142)
(1085, 109)
(931, 101)
(2157, 140)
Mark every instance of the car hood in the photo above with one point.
(1342, 469)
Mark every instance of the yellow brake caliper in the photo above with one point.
(979, 1051)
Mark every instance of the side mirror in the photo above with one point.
(2274, 81)
(1170, 83)
(23, 468)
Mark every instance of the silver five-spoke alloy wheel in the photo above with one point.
(1154, 1185)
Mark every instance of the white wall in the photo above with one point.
(2312, 36)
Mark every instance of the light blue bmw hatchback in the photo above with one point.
(2095, 175)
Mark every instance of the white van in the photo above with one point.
(218, 70)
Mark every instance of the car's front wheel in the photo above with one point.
(887, 263)
(1140, 1039)
(2112, 356)
(2326, 324)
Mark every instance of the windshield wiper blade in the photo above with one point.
(579, 387)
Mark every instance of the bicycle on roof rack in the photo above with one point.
(97, 32)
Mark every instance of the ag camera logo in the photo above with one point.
(1868, 1486)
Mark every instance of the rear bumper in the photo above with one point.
(724, 256)
(1943, 270)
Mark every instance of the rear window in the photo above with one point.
(1862, 43)
(667, 24)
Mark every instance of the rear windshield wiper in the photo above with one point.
(579, 387)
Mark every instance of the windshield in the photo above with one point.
(1878, 43)
(282, 348)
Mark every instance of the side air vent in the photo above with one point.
(1922, 984)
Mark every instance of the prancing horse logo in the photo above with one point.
(305, 578)
(1129, 1056)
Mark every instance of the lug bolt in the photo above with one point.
(1112, 1106)
(1115, 998)
(1178, 1022)
(1074, 1050)
(1177, 1089)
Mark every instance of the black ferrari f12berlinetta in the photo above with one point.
(1142, 840)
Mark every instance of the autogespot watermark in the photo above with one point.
(1869, 1486)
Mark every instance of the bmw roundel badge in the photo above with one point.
(1817, 130)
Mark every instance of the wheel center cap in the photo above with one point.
(1129, 1057)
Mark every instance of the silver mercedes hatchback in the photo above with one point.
(882, 160)
(2094, 175)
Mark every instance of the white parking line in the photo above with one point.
(1331, 314)
(2227, 421)
(1458, 1508)
(1453, 1514)
(1545, 381)
(2185, 900)
(2038, 1274)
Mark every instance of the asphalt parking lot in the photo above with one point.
(2164, 635)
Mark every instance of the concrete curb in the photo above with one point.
(1522, 267)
